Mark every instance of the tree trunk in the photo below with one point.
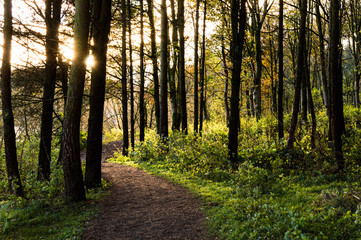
(7, 111)
(299, 74)
(163, 129)
(154, 62)
(182, 80)
(336, 82)
(238, 23)
(52, 19)
(124, 80)
(100, 27)
(225, 66)
(131, 79)
(257, 80)
(202, 69)
(74, 185)
(141, 93)
(280, 71)
(196, 36)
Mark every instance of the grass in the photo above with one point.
(263, 199)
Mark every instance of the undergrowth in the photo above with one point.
(274, 194)
(43, 214)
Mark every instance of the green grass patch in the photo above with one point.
(272, 195)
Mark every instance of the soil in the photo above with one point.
(142, 206)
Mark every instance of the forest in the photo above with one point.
(252, 105)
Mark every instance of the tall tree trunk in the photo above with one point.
(312, 108)
(173, 88)
(182, 80)
(7, 111)
(141, 93)
(321, 39)
(280, 71)
(154, 62)
(299, 74)
(131, 79)
(257, 80)
(52, 19)
(163, 129)
(124, 80)
(203, 69)
(238, 23)
(336, 82)
(225, 66)
(74, 185)
(196, 36)
(101, 17)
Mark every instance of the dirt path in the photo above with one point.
(142, 206)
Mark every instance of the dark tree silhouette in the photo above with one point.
(101, 17)
(74, 184)
(7, 111)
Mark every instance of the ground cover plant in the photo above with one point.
(274, 193)
(43, 214)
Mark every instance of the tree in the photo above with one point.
(74, 184)
(280, 71)
(300, 72)
(141, 93)
(101, 17)
(7, 111)
(52, 20)
(203, 68)
(131, 79)
(182, 80)
(238, 23)
(163, 123)
(124, 80)
(154, 62)
(196, 36)
(336, 82)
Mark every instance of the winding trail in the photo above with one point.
(142, 206)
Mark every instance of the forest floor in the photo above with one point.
(142, 206)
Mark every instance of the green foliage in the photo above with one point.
(274, 194)
(43, 214)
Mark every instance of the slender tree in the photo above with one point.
(124, 80)
(300, 72)
(141, 93)
(163, 127)
(154, 58)
(74, 184)
(52, 20)
(280, 71)
(7, 111)
(196, 36)
(182, 80)
(131, 78)
(101, 17)
(238, 23)
(203, 68)
(336, 82)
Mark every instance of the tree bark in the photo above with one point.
(131, 79)
(163, 129)
(203, 69)
(124, 80)
(74, 184)
(141, 93)
(336, 82)
(182, 80)
(7, 111)
(299, 73)
(154, 62)
(238, 23)
(196, 72)
(101, 27)
(280, 71)
(52, 19)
